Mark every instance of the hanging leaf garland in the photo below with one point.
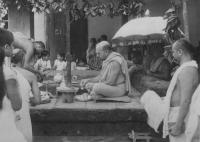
(82, 8)
(3, 13)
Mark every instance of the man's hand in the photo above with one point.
(176, 130)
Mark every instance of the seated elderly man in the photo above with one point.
(159, 66)
(113, 80)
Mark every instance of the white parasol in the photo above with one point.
(145, 28)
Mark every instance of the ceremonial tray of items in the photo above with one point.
(54, 86)
(65, 93)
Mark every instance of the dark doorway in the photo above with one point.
(60, 32)
(56, 36)
(79, 38)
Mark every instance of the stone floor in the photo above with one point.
(82, 139)
(87, 118)
(91, 105)
(89, 139)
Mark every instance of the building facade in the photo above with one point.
(51, 28)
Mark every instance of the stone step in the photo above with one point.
(89, 118)
(90, 139)
(79, 121)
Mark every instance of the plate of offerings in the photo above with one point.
(47, 82)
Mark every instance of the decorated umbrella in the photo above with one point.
(141, 31)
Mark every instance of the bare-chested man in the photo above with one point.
(13, 94)
(18, 89)
(186, 84)
(31, 50)
(173, 110)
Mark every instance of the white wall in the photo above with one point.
(103, 25)
(39, 27)
(19, 21)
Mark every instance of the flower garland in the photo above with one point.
(3, 13)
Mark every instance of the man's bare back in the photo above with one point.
(187, 82)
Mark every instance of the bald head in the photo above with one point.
(103, 49)
(103, 45)
(185, 46)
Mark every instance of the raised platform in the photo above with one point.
(88, 139)
(58, 119)
(88, 118)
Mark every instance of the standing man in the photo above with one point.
(32, 49)
(6, 40)
(187, 82)
(173, 110)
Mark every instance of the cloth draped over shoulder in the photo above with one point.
(153, 105)
(107, 69)
(164, 105)
(170, 90)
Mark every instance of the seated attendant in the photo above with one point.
(60, 64)
(44, 63)
(159, 66)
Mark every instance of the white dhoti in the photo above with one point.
(173, 115)
(108, 90)
(23, 120)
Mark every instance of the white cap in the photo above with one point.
(102, 44)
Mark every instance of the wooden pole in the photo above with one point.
(185, 19)
(68, 49)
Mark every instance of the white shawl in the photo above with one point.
(106, 68)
